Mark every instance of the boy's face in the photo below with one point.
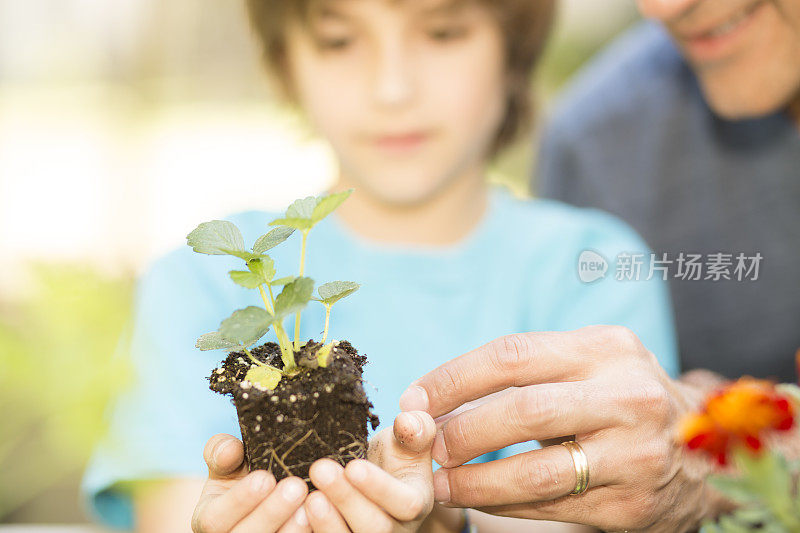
(746, 53)
(409, 93)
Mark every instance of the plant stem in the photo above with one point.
(327, 321)
(264, 298)
(287, 354)
(302, 269)
(250, 355)
(303, 253)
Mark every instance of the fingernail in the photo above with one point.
(319, 507)
(415, 398)
(292, 490)
(218, 453)
(324, 473)
(300, 517)
(416, 425)
(439, 449)
(441, 486)
(260, 481)
(357, 471)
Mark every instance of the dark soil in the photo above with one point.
(321, 412)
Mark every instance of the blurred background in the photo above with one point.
(117, 122)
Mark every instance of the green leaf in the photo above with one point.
(246, 325)
(280, 282)
(767, 473)
(294, 297)
(247, 256)
(245, 279)
(328, 204)
(332, 292)
(301, 224)
(730, 524)
(214, 341)
(305, 213)
(272, 239)
(266, 376)
(736, 489)
(323, 355)
(302, 208)
(218, 237)
(263, 269)
(710, 527)
(753, 515)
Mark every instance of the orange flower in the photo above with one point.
(738, 414)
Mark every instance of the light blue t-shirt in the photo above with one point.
(417, 308)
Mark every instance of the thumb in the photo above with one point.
(404, 452)
(407, 445)
(224, 455)
(414, 432)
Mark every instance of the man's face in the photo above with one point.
(746, 53)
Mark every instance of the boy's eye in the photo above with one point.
(333, 43)
(447, 33)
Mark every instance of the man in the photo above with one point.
(690, 130)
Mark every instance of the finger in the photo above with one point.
(402, 485)
(514, 360)
(361, 514)
(536, 412)
(271, 514)
(471, 405)
(298, 523)
(322, 516)
(224, 455)
(413, 432)
(406, 444)
(405, 450)
(590, 508)
(217, 513)
(402, 500)
(538, 475)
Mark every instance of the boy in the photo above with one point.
(415, 98)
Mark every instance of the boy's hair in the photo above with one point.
(525, 25)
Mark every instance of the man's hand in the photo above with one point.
(391, 492)
(599, 384)
(234, 501)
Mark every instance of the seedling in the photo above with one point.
(245, 327)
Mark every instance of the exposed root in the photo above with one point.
(296, 444)
(286, 469)
(273, 458)
(354, 450)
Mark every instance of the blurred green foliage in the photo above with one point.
(57, 375)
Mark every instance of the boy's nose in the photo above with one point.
(665, 10)
(393, 84)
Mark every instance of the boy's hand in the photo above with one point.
(392, 493)
(234, 501)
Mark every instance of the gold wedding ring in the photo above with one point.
(581, 466)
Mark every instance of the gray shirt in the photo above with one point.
(634, 136)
